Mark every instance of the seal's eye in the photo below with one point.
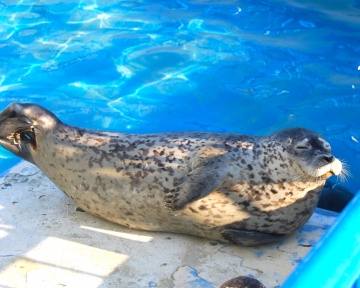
(303, 145)
(28, 137)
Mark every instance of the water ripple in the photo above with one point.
(144, 66)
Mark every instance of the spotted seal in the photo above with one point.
(247, 190)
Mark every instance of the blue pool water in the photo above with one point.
(249, 67)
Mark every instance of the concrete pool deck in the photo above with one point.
(45, 242)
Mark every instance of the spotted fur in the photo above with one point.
(243, 189)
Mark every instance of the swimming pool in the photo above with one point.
(249, 67)
(240, 66)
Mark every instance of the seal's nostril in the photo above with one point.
(329, 159)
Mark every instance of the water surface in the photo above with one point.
(249, 67)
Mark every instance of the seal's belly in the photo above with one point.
(280, 213)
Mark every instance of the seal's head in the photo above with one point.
(310, 153)
(19, 126)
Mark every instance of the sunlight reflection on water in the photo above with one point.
(151, 66)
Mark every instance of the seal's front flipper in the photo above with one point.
(198, 184)
(250, 238)
(207, 173)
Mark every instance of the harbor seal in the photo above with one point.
(246, 190)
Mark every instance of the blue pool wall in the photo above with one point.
(337, 255)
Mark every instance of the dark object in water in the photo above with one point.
(334, 197)
(242, 282)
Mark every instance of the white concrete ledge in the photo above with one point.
(45, 242)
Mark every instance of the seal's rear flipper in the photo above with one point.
(250, 238)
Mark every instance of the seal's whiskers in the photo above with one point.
(345, 171)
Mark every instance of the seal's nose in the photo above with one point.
(329, 158)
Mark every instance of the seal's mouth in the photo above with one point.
(323, 172)
(328, 174)
(332, 169)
